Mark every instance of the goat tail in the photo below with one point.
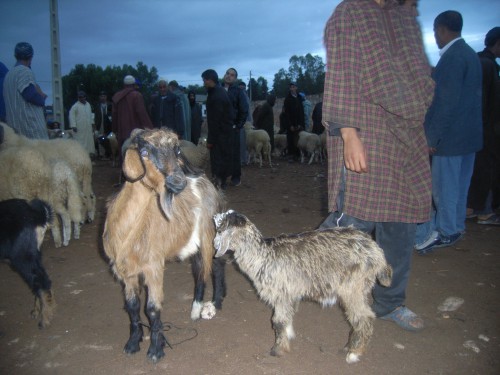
(384, 276)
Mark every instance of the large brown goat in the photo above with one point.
(163, 211)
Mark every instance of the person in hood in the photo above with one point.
(129, 111)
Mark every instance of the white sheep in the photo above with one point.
(258, 143)
(280, 144)
(60, 149)
(309, 144)
(27, 174)
(66, 202)
(197, 155)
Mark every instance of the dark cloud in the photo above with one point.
(182, 38)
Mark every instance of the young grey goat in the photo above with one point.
(318, 265)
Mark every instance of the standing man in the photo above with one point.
(3, 73)
(453, 127)
(81, 120)
(265, 119)
(196, 117)
(24, 100)
(485, 183)
(243, 135)
(294, 115)
(220, 128)
(377, 91)
(129, 111)
(166, 110)
(102, 125)
(186, 109)
(239, 116)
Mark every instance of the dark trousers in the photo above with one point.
(235, 155)
(220, 157)
(486, 175)
(396, 240)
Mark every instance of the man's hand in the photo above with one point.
(354, 151)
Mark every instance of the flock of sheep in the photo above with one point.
(167, 208)
(57, 171)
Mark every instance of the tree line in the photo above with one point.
(308, 72)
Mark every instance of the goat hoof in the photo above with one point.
(208, 311)
(276, 352)
(352, 358)
(131, 347)
(155, 356)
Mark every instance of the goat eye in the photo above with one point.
(144, 153)
(177, 150)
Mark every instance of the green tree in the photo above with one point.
(307, 71)
(258, 88)
(94, 79)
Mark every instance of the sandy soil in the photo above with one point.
(90, 327)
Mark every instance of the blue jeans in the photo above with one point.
(396, 239)
(450, 185)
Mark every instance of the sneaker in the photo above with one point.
(439, 242)
(405, 318)
(492, 220)
(236, 182)
(430, 241)
(445, 241)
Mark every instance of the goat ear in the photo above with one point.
(221, 243)
(133, 166)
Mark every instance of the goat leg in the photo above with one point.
(133, 306)
(158, 340)
(199, 286)
(219, 282)
(360, 316)
(283, 329)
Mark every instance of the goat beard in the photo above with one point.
(166, 199)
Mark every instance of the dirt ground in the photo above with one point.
(90, 327)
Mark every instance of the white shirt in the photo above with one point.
(445, 48)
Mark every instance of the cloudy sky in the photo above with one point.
(182, 38)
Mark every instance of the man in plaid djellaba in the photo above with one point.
(377, 90)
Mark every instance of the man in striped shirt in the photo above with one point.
(24, 100)
(377, 90)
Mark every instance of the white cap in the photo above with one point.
(129, 80)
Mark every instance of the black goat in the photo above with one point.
(22, 228)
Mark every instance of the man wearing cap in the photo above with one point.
(24, 100)
(129, 111)
(81, 120)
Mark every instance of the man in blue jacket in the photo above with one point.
(453, 127)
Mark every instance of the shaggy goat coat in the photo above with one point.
(321, 266)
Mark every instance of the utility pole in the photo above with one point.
(250, 87)
(57, 96)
